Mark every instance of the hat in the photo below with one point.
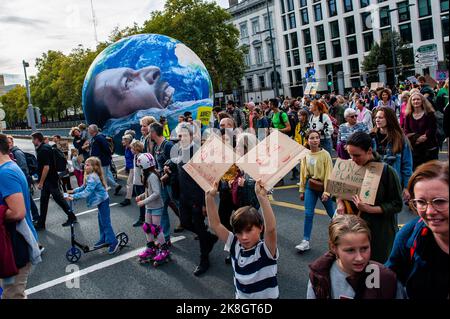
(349, 111)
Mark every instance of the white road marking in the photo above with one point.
(90, 269)
(94, 210)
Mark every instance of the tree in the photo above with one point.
(15, 104)
(381, 53)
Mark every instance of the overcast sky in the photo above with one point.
(29, 28)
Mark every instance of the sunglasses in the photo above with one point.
(352, 116)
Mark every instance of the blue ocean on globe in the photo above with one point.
(145, 74)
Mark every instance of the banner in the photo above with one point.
(348, 179)
(204, 114)
(376, 85)
(272, 158)
(210, 162)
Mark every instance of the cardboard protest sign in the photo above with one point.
(311, 88)
(348, 179)
(307, 88)
(271, 159)
(376, 85)
(210, 162)
(412, 79)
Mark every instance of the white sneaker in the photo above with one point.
(303, 246)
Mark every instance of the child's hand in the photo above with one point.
(140, 203)
(213, 191)
(259, 189)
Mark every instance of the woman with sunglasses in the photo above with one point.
(347, 129)
(420, 252)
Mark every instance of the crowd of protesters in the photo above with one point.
(399, 129)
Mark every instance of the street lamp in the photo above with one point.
(30, 110)
(275, 76)
(394, 59)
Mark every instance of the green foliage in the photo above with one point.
(15, 104)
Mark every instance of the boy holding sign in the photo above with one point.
(388, 200)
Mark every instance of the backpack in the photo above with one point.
(31, 163)
(59, 159)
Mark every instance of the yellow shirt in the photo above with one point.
(317, 166)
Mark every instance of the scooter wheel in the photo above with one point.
(123, 239)
(73, 255)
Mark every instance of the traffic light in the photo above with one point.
(330, 81)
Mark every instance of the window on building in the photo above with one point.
(266, 21)
(292, 24)
(269, 49)
(259, 55)
(332, 10)
(337, 52)
(355, 82)
(262, 81)
(255, 26)
(291, 79)
(426, 29)
(294, 40)
(303, 3)
(249, 84)
(366, 21)
(350, 25)
(444, 6)
(288, 58)
(364, 3)
(322, 51)
(385, 33)
(304, 14)
(352, 46)
(286, 42)
(354, 66)
(283, 18)
(445, 25)
(384, 17)
(405, 32)
(283, 9)
(334, 29)
(308, 54)
(318, 12)
(403, 11)
(244, 31)
(348, 5)
(298, 76)
(320, 33)
(306, 37)
(247, 60)
(296, 57)
(368, 41)
(290, 5)
(424, 8)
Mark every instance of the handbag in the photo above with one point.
(8, 266)
(316, 185)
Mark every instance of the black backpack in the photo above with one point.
(59, 159)
(31, 163)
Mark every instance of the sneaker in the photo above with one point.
(70, 222)
(41, 249)
(138, 223)
(100, 244)
(125, 202)
(113, 248)
(303, 246)
(117, 189)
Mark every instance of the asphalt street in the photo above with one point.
(120, 276)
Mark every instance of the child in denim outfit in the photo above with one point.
(94, 190)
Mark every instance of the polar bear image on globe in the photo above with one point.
(145, 74)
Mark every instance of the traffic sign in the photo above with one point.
(218, 94)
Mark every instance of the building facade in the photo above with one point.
(336, 35)
(251, 19)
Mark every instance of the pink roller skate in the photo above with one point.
(162, 257)
(149, 253)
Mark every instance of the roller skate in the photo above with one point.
(148, 254)
(162, 257)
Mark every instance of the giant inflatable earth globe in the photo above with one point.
(145, 74)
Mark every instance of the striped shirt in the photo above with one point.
(255, 270)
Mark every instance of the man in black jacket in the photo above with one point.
(49, 182)
(192, 200)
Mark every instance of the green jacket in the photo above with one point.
(383, 227)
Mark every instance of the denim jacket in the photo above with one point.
(93, 190)
(402, 162)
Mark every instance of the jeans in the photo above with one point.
(109, 176)
(104, 223)
(50, 189)
(311, 197)
(327, 144)
(165, 221)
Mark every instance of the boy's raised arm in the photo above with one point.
(270, 227)
(213, 215)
